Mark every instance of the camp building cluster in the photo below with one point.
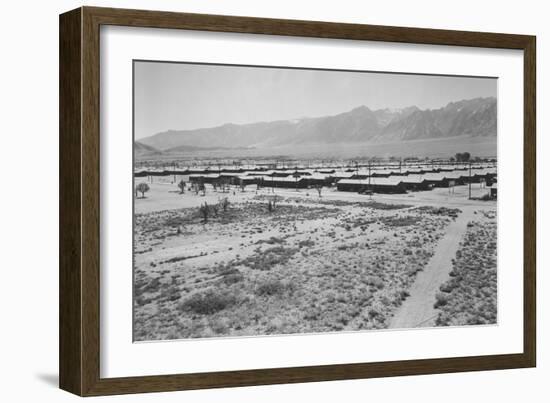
(382, 179)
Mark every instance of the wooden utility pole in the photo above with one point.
(369, 174)
(470, 182)
(369, 187)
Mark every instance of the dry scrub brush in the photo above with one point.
(470, 296)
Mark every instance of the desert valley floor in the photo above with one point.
(339, 262)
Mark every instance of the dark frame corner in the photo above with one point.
(79, 200)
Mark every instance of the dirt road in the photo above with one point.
(417, 310)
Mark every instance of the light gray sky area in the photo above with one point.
(176, 96)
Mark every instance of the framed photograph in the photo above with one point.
(248, 201)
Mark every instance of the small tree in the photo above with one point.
(296, 176)
(224, 203)
(181, 185)
(272, 203)
(319, 189)
(224, 184)
(462, 157)
(142, 188)
(204, 211)
(215, 209)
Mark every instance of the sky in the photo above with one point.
(179, 96)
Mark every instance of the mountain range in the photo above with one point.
(473, 117)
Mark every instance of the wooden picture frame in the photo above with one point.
(79, 347)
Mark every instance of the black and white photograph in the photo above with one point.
(272, 200)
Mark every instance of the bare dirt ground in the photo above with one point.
(339, 262)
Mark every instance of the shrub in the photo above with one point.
(219, 326)
(233, 278)
(204, 211)
(151, 286)
(224, 203)
(265, 260)
(449, 286)
(385, 206)
(439, 211)
(214, 209)
(373, 313)
(400, 221)
(401, 295)
(170, 293)
(486, 197)
(375, 281)
(441, 300)
(271, 241)
(272, 287)
(208, 302)
(306, 243)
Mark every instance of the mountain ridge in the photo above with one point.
(473, 117)
(145, 150)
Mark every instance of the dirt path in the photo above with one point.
(417, 310)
